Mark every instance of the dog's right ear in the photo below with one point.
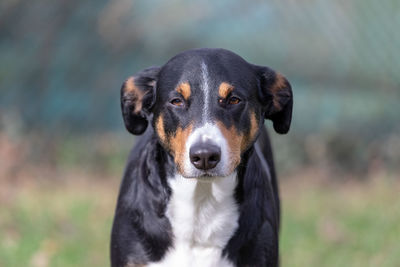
(137, 98)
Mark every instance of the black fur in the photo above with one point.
(141, 232)
(136, 123)
(140, 229)
(255, 243)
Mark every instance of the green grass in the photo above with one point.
(62, 225)
(68, 224)
(347, 225)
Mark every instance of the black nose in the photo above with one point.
(204, 156)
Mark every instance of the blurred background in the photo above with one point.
(63, 144)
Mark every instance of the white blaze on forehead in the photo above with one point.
(207, 132)
(205, 86)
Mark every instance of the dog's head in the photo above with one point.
(206, 107)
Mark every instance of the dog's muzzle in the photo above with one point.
(205, 156)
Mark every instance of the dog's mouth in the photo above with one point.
(201, 176)
(221, 170)
(205, 175)
(205, 178)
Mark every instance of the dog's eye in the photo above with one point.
(177, 102)
(233, 100)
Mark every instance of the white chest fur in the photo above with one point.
(204, 216)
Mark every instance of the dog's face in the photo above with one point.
(207, 106)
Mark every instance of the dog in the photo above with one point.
(200, 188)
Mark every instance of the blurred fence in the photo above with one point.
(62, 63)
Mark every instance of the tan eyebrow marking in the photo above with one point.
(184, 90)
(225, 89)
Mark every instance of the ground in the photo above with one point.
(67, 222)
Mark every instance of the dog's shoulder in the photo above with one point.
(257, 191)
(143, 196)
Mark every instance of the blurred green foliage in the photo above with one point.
(62, 63)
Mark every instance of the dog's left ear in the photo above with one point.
(276, 95)
(137, 98)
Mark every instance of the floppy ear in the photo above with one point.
(277, 97)
(137, 99)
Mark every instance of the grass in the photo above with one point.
(350, 224)
(64, 225)
(68, 223)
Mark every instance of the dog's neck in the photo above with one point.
(203, 215)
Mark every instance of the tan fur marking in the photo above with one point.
(184, 90)
(234, 142)
(160, 129)
(132, 89)
(238, 143)
(252, 133)
(280, 83)
(177, 145)
(254, 125)
(225, 89)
